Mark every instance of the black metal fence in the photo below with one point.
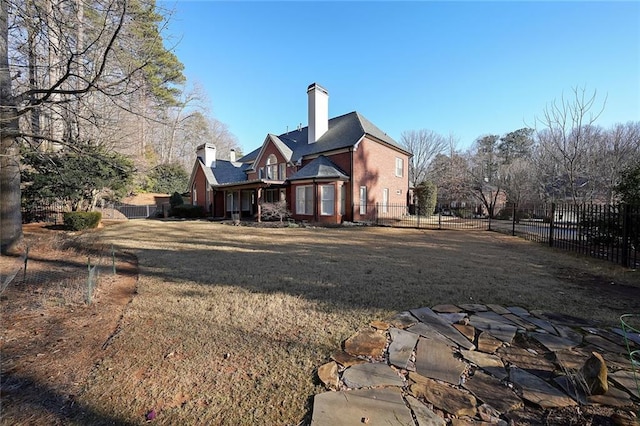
(45, 211)
(412, 216)
(53, 211)
(610, 232)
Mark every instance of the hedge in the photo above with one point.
(187, 211)
(76, 221)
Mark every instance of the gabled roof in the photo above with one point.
(284, 149)
(208, 174)
(229, 172)
(344, 131)
(319, 168)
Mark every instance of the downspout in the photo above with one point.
(353, 207)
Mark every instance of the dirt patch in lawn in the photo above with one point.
(230, 323)
(51, 338)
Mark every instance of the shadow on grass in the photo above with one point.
(378, 267)
(23, 398)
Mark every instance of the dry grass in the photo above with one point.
(230, 323)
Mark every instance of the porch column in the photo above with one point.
(259, 202)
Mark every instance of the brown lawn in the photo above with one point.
(229, 324)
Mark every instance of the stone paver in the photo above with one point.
(363, 406)
(328, 374)
(605, 344)
(532, 362)
(634, 337)
(446, 398)
(487, 343)
(499, 330)
(446, 309)
(424, 415)
(371, 374)
(496, 317)
(366, 343)
(539, 356)
(627, 381)
(538, 391)
(345, 359)
(428, 332)
(402, 345)
(474, 307)
(432, 319)
(490, 363)
(435, 360)
(552, 342)
(491, 391)
(453, 318)
(498, 309)
(402, 320)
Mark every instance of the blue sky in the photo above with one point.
(467, 68)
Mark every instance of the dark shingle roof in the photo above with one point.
(319, 168)
(344, 131)
(228, 172)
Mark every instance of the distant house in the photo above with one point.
(331, 171)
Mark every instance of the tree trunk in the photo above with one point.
(10, 214)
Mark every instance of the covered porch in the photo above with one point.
(246, 199)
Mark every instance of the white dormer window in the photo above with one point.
(283, 171)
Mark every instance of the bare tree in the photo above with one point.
(565, 133)
(424, 145)
(59, 70)
(450, 174)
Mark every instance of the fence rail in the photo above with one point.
(609, 232)
(53, 211)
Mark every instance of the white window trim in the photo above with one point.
(363, 200)
(399, 162)
(302, 203)
(385, 200)
(327, 202)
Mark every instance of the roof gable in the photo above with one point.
(280, 145)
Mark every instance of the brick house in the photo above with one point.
(331, 171)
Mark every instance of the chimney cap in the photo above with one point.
(313, 86)
(205, 145)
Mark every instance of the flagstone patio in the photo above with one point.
(474, 364)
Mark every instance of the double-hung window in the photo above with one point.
(399, 167)
(363, 200)
(385, 200)
(327, 200)
(304, 200)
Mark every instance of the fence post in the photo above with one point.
(551, 223)
(440, 217)
(625, 211)
(418, 213)
(88, 280)
(376, 215)
(26, 260)
(489, 212)
(113, 259)
(513, 221)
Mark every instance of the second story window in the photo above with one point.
(399, 167)
(272, 167)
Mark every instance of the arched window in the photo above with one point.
(272, 167)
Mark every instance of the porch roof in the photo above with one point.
(251, 184)
(320, 168)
